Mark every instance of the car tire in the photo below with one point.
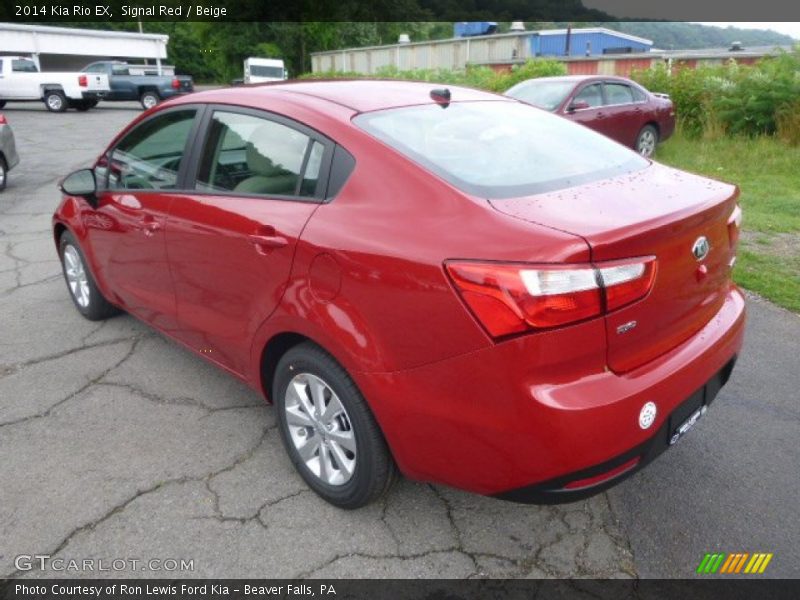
(80, 282)
(55, 101)
(82, 105)
(3, 173)
(343, 457)
(149, 99)
(646, 141)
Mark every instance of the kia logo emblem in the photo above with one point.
(700, 248)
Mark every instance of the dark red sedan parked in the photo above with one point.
(445, 282)
(614, 106)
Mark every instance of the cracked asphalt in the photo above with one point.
(116, 443)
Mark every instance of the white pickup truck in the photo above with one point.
(21, 81)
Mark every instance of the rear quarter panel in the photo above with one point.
(368, 281)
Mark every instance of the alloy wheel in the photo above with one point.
(647, 143)
(54, 102)
(320, 429)
(149, 101)
(76, 276)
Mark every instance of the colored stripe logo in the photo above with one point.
(734, 563)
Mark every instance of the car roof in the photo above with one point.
(578, 78)
(360, 95)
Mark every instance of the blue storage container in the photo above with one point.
(473, 28)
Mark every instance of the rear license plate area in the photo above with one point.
(686, 415)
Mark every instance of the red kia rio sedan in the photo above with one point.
(442, 282)
(614, 106)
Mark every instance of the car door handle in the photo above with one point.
(265, 242)
(600, 115)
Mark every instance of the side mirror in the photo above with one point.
(578, 105)
(81, 183)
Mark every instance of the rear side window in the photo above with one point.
(252, 155)
(638, 95)
(593, 94)
(618, 93)
(98, 68)
(150, 156)
(22, 65)
(497, 149)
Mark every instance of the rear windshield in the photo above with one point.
(544, 94)
(500, 149)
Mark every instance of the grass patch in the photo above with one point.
(762, 274)
(767, 172)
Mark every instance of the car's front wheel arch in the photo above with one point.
(58, 231)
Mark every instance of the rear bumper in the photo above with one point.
(593, 480)
(521, 419)
(8, 147)
(667, 128)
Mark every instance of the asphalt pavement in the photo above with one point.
(116, 443)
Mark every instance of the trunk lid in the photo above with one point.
(658, 212)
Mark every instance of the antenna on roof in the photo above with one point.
(441, 97)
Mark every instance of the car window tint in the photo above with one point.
(618, 93)
(593, 94)
(311, 173)
(23, 66)
(150, 156)
(638, 95)
(251, 155)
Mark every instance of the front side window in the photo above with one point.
(252, 155)
(618, 93)
(500, 149)
(591, 94)
(150, 157)
(23, 65)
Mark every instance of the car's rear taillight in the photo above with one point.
(512, 298)
(83, 81)
(734, 226)
(176, 85)
(3, 120)
(624, 282)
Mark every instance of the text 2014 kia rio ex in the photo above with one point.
(441, 281)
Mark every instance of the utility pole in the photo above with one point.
(141, 30)
(569, 39)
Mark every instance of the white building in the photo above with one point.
(65, 49)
